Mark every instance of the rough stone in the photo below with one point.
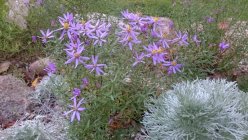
(38, 66)
(13, 93)
(17, 13)
(4, 66)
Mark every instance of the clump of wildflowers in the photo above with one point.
(143, 35)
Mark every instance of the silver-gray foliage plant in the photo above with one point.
(198, 110)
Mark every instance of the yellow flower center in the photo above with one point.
(164, 35)
(155, 19)
(174, 63)
(82, 21)
(66, 25)
(129, 28)
(129, 39)
(160, 50)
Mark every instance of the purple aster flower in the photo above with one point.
(223, 45)
(51, 68)
(157, 53)
(95, 66)
(76, 28)
(99, 38)
(133, 19)
(85, 82)
(181, 39)
(127, 36)
(196, 40)
(100, 28)
(39, 2)
(76, 92)
(26, 2)
(163, 39)
(173, 67)
(155, 23)
(76, 56)
(34, 39)
(66, 22)
(138, 58)
(46, 35)
(73, 46)
(209, 19)
(75, 109)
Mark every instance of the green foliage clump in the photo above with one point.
(202, 109)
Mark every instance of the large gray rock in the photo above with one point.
(13, 93)
(17, 13)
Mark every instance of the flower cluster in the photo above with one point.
(145, 37)
(78, 36)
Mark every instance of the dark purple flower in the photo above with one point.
(34, 39)
(95, 67)
(76, 56)
(138, 58)
(75, 109)
(46, 35)
(223, 45)
(157, 53)
(51, 68)
(76, 92)
(173, 67)
(210, 19)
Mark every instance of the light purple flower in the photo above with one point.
(73, 46)
(155, 23)
(95, 67)
(75, 109)
(138, 58)
(85, 82)
(127, 36)
(66, 22)
(133, 19)
(76, 92)
(26, 2)
(223, 46)
(46, 35)
(173, 67)
(181, 39)
(51, 68)
(157, 53)
(93, 28)
(163, 40)
(99, 38)
(76, 57)
(39, 2)
(196, 40)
